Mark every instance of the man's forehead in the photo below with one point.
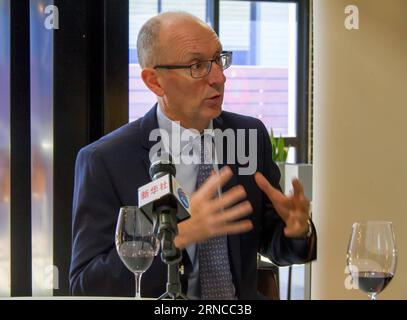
(188, 44)
(201, 54)
(187, 54)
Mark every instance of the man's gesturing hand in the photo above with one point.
(213, 216)
(293, 209)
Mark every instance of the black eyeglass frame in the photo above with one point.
(222, 54)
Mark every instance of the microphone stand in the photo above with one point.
(170, 254)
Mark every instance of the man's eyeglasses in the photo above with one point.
(202, 68)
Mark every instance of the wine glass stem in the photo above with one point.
(137, 276)
(372, 296)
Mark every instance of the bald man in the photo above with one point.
(233, 215)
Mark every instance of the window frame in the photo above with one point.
(300, 141)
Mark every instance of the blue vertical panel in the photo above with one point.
(5, 148)
(41, 61)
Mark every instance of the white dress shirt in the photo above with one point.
(186, 175)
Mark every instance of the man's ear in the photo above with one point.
(150, 79)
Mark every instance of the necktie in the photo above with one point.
(214, 268)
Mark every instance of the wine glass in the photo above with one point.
(372, 256)
(136, 242)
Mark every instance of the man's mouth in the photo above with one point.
(214, 97)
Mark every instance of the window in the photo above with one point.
(140, 97)
(267, 77)
(262, 79)
(5, 137)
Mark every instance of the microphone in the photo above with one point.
(164, 199)
(164, 190)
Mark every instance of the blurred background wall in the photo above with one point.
(360, 154)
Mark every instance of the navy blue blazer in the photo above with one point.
(108, 174)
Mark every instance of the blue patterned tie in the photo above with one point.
(214, 268)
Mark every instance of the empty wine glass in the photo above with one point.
(136, 242)
(372, 256)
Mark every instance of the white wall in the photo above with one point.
(360, 135)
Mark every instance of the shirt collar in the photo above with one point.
(168, 125)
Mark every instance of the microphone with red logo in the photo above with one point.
(164, 190)
(167, 203)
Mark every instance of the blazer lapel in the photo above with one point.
(149, 123)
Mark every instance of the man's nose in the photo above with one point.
(216, 75)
